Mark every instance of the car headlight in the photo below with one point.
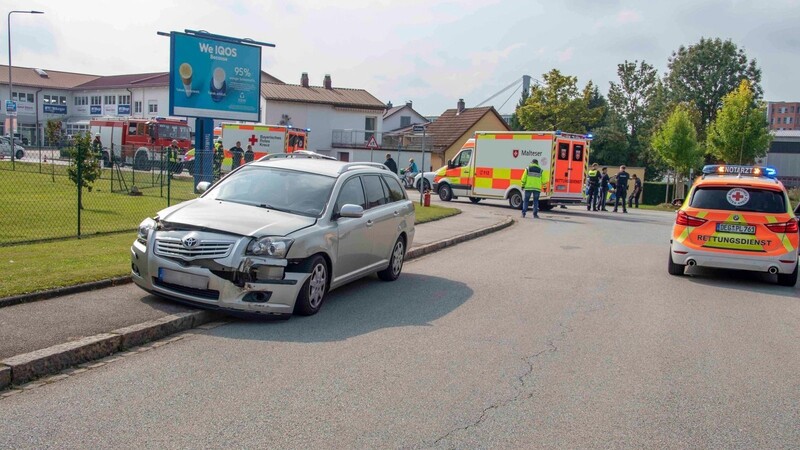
(275, 247)
(144, 228)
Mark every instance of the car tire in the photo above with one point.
(545, 205)
(20, 154)
(674, 269)
(788, 279)
(445, 192)
(426, 184)
(392, 272)
(312, 294)
(474, 199)
(106, 160)
(141, 162)
(515, 200)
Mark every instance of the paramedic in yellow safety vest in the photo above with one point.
(532, 180)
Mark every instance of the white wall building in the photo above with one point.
(397, 117)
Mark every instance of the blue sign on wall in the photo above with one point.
(123, 110)
(54, 109)
(95, 110)
(214, 78)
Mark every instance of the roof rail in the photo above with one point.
(356, 165)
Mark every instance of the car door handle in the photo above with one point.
(369, 223)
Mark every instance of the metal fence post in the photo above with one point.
(79, 163)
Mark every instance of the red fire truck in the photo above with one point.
(140, 142)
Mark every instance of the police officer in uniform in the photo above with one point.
(604, 180)
(594, 182)
(532, 180)
(622, 189)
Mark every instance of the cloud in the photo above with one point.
(566, 54)
(628, 16)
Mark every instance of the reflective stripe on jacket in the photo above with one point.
(533, 177)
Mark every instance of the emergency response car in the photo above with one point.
(141, 143)
(490, 166)
(737, 217)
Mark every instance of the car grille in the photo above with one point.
(209, 294)
(173, 248)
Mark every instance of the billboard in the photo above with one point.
(213, 78)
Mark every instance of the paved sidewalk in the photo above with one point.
(32, 326)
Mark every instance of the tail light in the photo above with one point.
(689, 221)
(788, 227)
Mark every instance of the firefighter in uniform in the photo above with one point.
(593, 177)
(173, 152)
(219, 155)
(532, 180)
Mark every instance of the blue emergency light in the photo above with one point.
(756, 171)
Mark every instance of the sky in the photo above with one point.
(426, 51)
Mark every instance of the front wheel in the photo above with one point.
(677, 269)
(20, 154)
(788, 279)
(474, 199)
(392, 272)
(311, 296)
(141, 161)
(445, 193)
(515, 200)
(426, 185)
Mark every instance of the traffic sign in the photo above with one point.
(11, 107)
(372, 143)
(418, 128)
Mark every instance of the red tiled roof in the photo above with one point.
(26, 76)
(451, 126)
(340, 97)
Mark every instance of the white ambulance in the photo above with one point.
(491, 164)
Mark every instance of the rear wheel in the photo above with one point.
(392, 272)
(445, 192)
(20, 154)
(106, 160)
(677, 269)
(141, 161)
(788, 279)
(474, 199)
(545, 205)
(426, 184)
(311, 296)
(515, 200)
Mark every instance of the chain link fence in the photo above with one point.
(40, 201)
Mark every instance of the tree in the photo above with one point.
(676, 142)
(557, 104)
(740, 133)
(633, 100)
(514, 123)
(52, 130)
(610, 143)
(707, 71)
(84, 164)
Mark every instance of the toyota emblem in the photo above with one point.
(190, 241)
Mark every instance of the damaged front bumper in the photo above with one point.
(216, 276)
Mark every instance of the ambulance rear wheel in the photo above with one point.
(515, 200)
(445, 193)
(788, 279)
(474, 199)
(677, 269)
(545, 205)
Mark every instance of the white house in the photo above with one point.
(397, 117)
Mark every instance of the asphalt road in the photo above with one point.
(565, 332)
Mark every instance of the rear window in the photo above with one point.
(739, 199)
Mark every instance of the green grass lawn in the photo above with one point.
(47, 265)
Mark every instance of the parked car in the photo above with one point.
(5, 148)
(274, 237)
(428, 180)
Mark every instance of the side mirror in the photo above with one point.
(352, 211)
(449, 163)
(203, 186)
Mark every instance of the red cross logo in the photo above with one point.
(515, 153)
(738, 196)
(252, 140)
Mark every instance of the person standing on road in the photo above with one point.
(173, 153)
(532, 180)
(390, 163)
(603, 194)
(237, 153)
(248, 154)
(593, 178)
(219, 156)
(637, 192)
(622, 189)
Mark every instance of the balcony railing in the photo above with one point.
(387, 140)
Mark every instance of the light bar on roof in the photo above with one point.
(756, 171)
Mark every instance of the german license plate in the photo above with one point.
(735, 228)
(182, 278)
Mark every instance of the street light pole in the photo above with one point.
(10, 85)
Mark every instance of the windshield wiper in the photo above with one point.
(267, 206)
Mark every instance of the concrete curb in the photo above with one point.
(449, 242)
(23, 368)
(26, 367)
(59, 292)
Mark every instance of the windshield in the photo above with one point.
(739, 199)
(283, 190)
(173, 131)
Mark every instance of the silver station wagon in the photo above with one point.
(274, 237)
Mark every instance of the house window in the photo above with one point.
(46, 99)
(405, 121)
(97, 100)
(369, 128)
(22, 97)
(152, 106)
(62, 100)
(81, 101)
(110, 100)
(137, 107)
(124, 99)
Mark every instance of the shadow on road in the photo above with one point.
(759, 283)
(362, 307)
